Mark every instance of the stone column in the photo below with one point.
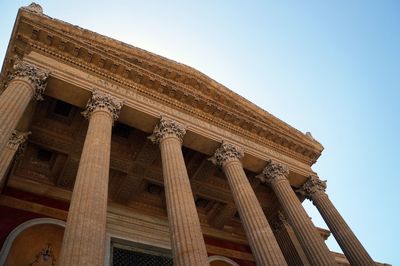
(188, 247)
(27, 82)
(275, 175)
(314, 189)
(263, 244)
(287, 240)
(14, 146)
(85, 231)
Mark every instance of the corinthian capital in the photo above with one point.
(31, 73)
(279, 222)
(312, 186)
(103, 101)
(273, 171)
(225, 153)
(17, 138)
(166, 128)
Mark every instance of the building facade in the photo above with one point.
(112, 155)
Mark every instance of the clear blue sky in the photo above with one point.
(328, 67)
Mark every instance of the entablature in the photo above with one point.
(73, 85)
(171, 83)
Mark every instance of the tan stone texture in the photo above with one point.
(13, 102)
(5, 161)
(262, 241)
(288, 241)
(85, 233)
(188, 247)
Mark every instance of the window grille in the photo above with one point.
(124, 257)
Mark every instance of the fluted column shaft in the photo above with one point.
(85, 232)
(6, 157)
(262, 241)
(317, 252)
(188, 247)
(26, 82)
(350, 245)
(287, 240)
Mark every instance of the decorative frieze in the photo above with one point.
(31, 73)
(273, 171)
(167, 127)
(311, 186)
(225, 153)
(241, 119)
(103, 101)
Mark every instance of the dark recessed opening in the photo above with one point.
(121, 130)
(154, 189)
(201, 203)
(62, 108)
(44, 155)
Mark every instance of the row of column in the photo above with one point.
(84, 237)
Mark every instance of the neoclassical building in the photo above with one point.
(112, 155)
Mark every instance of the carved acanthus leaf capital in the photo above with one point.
(272, 172)
(166, 128)
(311, 186)
(225, 153)
(17, 138)
(31, 73)
(102, 101)
(279, 222)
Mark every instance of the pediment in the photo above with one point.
(156, 75)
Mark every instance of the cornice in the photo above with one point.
(171, 81)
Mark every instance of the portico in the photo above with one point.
(135, 166)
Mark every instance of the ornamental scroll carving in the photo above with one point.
(312, 186)
(103, 101)
(273, 171)
(167, 127)
(31, 73)
(225, 153)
